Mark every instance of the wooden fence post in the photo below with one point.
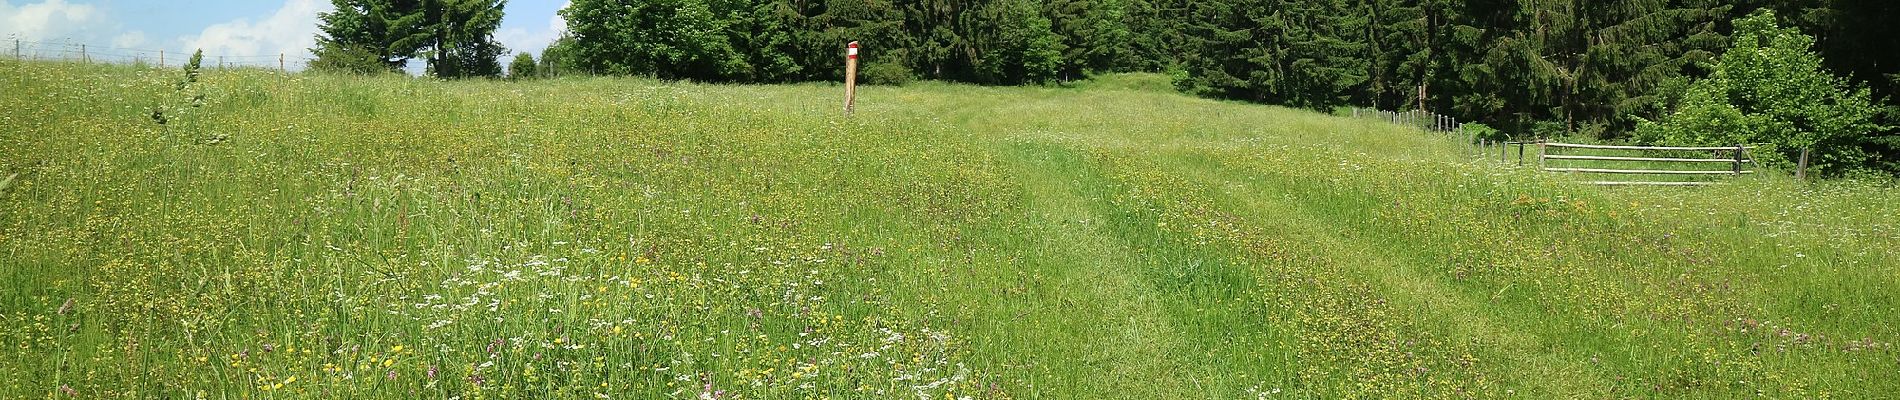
(1738, 159)
(850, 77)
(280, 63)
(1801, 168)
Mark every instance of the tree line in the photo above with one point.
(456, 38)
(1603, 69)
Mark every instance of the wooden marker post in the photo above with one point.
(1801, 168)
(850, 77)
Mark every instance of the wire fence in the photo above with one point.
(1420, 119)
(88, 53)
(1453, 128)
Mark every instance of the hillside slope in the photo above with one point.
(330, 237)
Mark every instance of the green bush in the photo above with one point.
(1481, 131)
(1770, 89)
(522, 67)
(349, 59)
(891, 74)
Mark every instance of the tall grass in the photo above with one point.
(603, 237)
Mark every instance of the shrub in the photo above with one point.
(891, 74)
(1481, 131)
(522, 67)
(1770, 89)
(349, 59)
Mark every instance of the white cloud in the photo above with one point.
(291, 31)
(129, 40)
(522, 40)
(48, 21)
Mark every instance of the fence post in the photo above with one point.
(1540, 153)
(220, 62)
(16, 49)
(1801, 169)
(161, 59)
(850, 77)
(1520, 154)
(1501, 147)
(1738, 160)
(280, 63)
(82, 55)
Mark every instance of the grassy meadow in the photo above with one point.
(303, 236)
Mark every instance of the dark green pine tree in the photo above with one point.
(1095, 35)
(1637, 50)
(461, 36)
(1223, 49)
(371, 28)
(936, 38)
(1324, 53)
(1156, 34)
(1395, 36)
(457, 36)
(1308, 54)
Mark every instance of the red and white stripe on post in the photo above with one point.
(851, 50)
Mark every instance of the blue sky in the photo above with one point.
(243, 31)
